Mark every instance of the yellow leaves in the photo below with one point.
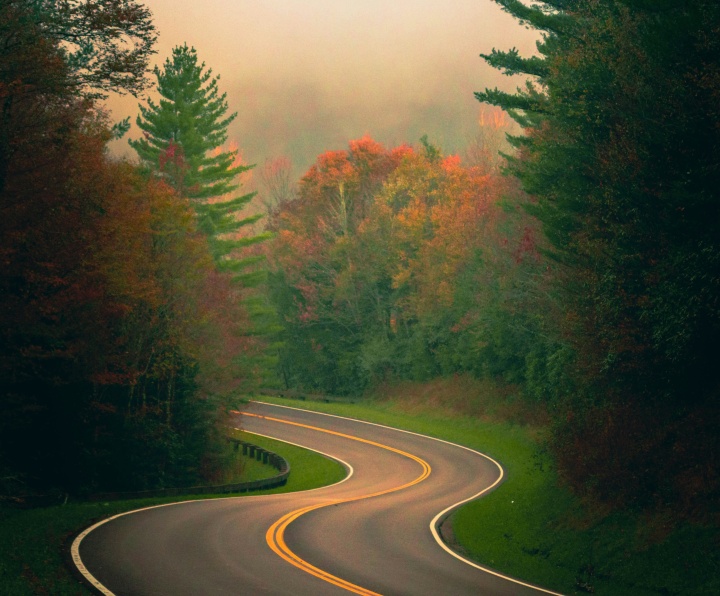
(414, 215)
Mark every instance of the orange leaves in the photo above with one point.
(371, 160)
(413, 216)
(333, 169)
(440, 210)
(399, 154)
(386, 261)
(450, 164)
(370, 221)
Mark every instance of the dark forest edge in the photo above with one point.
(126, 336)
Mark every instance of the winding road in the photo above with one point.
(373, 533)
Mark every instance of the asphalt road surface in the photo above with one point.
(373, 533)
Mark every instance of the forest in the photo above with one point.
(570, 258)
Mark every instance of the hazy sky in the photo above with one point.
(309, 75)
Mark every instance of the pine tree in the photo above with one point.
(182, 136)
(182, 140)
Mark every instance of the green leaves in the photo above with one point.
(616, 136)
(182, 143)
(190, 115)
(511, 63)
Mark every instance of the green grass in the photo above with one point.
(32, 541)
(308, 469)
(535, 530)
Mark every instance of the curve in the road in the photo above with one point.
(275, 536)
(100, 587)
(211, 546)
(440, 517)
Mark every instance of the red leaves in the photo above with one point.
(369, 218)
(332, 170)
(172, 154)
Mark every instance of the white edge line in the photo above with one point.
(75, 547)
(435, 522)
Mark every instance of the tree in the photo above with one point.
(182, 144)
(191, 121)
(622, 167)
(106, 44)
(182, 139)
(328, 285)
(56, 52)
(277, 182)
(392, 264)
(114, 320)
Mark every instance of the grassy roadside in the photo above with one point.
(32, 541)
(535, 530)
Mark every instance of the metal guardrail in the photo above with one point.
(248, 449)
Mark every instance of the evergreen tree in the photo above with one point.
(182, 136)
(182, 140)
(621, 159)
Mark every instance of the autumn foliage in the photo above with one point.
(382, 266)
(121, 341)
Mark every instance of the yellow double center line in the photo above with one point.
(275, 536)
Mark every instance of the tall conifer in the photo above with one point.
(182, 136)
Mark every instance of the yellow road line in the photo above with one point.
(275, 535)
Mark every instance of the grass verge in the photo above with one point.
(32, 541)
(535, 530)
